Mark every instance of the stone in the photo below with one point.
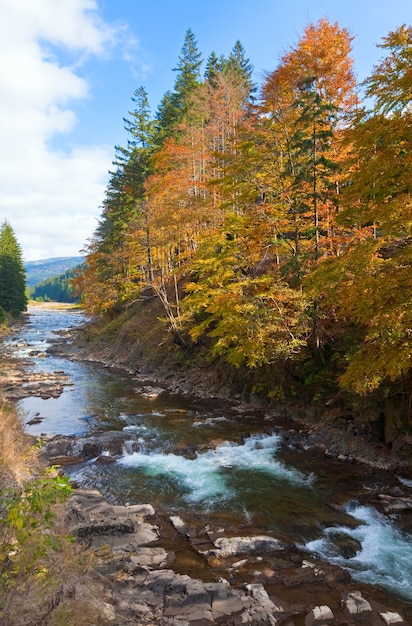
(179, 525)
(105, 459)
(263, 607)
(154, 558)
(66, 460)
(319, 616)
(355, 607)
(234, 546)
(392, 619)
(255, 617)
(393, 504)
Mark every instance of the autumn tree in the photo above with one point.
(371, 283)
(306, 103)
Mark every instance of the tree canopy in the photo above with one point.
(274, 225)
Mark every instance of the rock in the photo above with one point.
(355, 607)
(319, 616)
(225, 603)
(59, 446)
(153, 558)
(259, 593)
(66, 460)
(345, 546)
(103, 611)
(105, 459)
(179, 525)
(35, 420)
(234, 546)
(336, 576)
(392, 619)
(308, 573)
(110, 527)
(393, 504)
(122, 527)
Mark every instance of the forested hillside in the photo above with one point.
(58, 288)
(43, 269)
(273, 222)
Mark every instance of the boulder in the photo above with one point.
(355, 607)
(319, 616)
(105, 459)
(152, 558)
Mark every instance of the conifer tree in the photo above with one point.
(13, 297)
(175, 104)
(239, 66)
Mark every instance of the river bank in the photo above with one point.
(183, 572)
(328, 426)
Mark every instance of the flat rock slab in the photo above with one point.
(123, 528)
(392, 619)
(236, 546)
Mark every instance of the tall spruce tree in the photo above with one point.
(13, 297)
(174, 104)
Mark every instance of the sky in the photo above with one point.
(68, 70)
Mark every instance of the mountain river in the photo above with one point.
(239, 473)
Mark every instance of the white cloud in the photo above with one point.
(50, 198)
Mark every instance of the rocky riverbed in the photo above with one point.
(135, 582)
(149, 568)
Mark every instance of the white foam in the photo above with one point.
(385, 557)
(204, 476)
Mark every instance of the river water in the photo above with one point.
(207, 462)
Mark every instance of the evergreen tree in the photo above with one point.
(12, 273)
(240, 67)
(175, 104)
(213, 68)
(188, 69)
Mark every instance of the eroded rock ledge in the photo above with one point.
(134, 581)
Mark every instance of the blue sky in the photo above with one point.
(68, 69)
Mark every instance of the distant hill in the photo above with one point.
(55, 289)
(37, 271)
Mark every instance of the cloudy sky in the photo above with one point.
(68, 69)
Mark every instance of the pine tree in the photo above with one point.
(13, 297)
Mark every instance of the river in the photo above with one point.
(210, 463)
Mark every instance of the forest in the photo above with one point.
(56, 288)
(273, 222)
